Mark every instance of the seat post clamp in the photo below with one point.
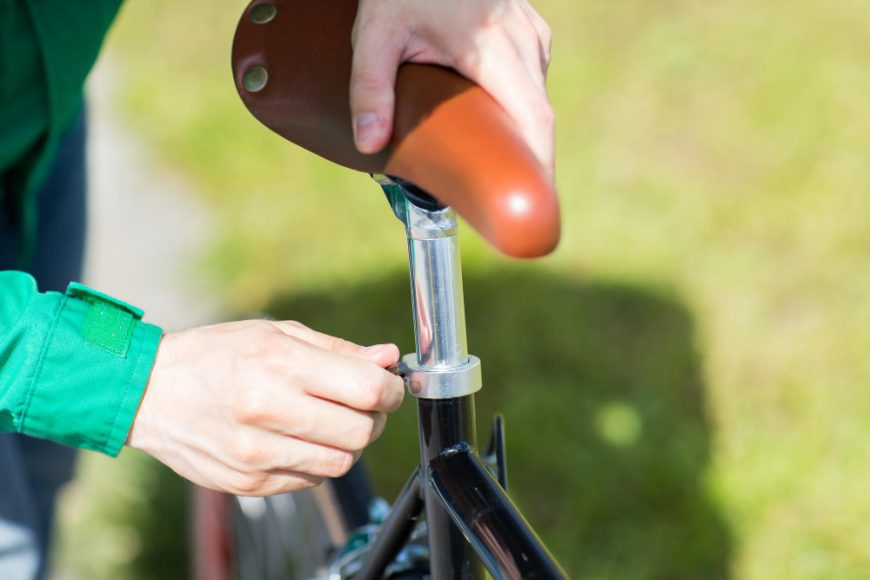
(441, 382)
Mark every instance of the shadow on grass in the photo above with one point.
(608, 438)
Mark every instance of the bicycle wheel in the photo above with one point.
(287, 536)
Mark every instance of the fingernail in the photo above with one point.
(366, 132)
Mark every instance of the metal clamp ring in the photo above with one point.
(441, 383)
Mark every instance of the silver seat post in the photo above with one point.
(436, 287)
(441, 368)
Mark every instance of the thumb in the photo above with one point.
(376, 59)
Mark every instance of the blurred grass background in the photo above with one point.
(685, 380)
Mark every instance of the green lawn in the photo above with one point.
(685, 380)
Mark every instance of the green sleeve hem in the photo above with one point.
(146, 339)
(92, 369)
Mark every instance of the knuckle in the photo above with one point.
(468, 62)
(303, 424)
(363, 434)
(364, 24)
(252, 408)
(310, 482)
(262, 349)
(337, 463)
(546, 36)
(372, 393)
(365, 82)
(252, 325)
(398, 386)
(273, 347)
(291, 483)
(258, 331)
(490, 13)
(544, 115)
(248, 450)
(378, 426)
(392, 395)
(294, 325)
(337, 344)
(248, 484)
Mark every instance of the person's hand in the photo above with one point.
(260, 407)
(502, 45)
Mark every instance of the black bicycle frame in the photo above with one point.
(471, 521)
(470, 518)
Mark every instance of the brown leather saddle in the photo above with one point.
(292, 63)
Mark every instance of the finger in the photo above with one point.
(524, 35)
(501, 72)
(269, 484)
(318, 421)
(528, 46)
(382, 355)
(357, 383)
(347, 429)
(312, 459)
(376, 58)
(261, 452)
(545, 35)
(319, 461)
(221, 476)
(302, 332)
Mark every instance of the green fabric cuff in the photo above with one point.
(92, 372)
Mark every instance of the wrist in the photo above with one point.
(143, 434)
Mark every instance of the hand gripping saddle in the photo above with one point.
(291, 63)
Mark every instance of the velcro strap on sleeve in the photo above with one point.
(90, 376)
(109, 322)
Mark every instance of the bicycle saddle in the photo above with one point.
(292, 63)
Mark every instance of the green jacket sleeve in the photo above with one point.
(73, 366)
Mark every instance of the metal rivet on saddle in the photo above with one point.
(255, 79)
(263, 13)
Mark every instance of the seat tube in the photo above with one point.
(440, 374)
